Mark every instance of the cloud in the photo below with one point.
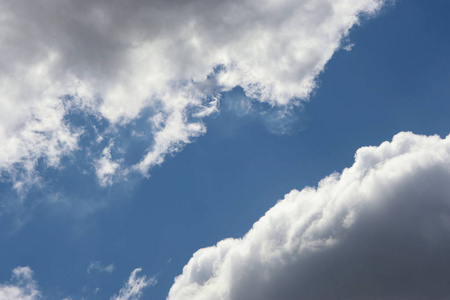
(105, 167)
(21, 287)
(24, 287)
(378, 230)
(114, 61)
(97, 266)
(132, 290)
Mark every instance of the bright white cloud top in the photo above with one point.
(114, 60)
(378, 230)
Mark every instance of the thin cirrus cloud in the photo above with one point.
(114, 60)
(378, 230)
(133, 288)
(23, 286)
(99, 267)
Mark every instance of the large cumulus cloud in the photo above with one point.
(379, 230)
(113, 59)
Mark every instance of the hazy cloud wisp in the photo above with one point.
(99, 267)
(132, 290)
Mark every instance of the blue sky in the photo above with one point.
(220, 182)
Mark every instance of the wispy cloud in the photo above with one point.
(105, 167)
(132, 290)
(24, 287)
(99, 267)
(378, 230)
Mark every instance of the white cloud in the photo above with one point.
(24, 287)
(97, 266)
(132, 290)
(175, 57)
(21, 287)
(378, 230)
(105, 167)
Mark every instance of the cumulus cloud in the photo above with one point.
(378, 230)
(21, 287)
(132, 290)
(114, 59)
(99, 267)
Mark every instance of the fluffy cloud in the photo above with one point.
(378, 230)
(113, 60)
(21, 287)
(132, 290)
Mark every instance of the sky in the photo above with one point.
(237, 150)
